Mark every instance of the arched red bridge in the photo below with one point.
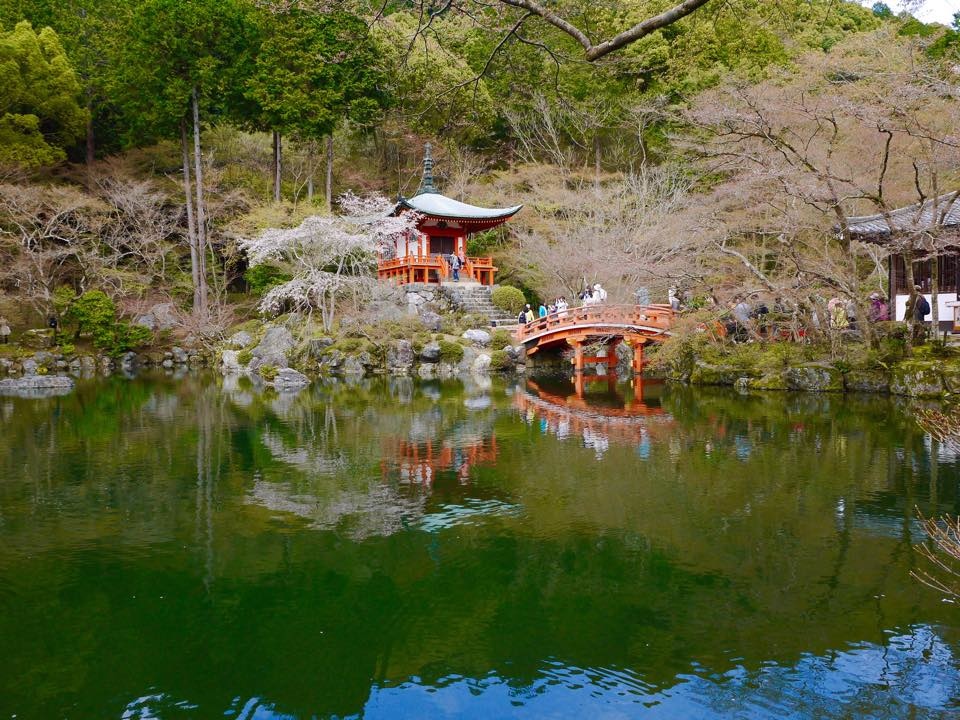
(610, 324)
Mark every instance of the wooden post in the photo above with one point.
(577, 346)
(612, 356)
(637, 357)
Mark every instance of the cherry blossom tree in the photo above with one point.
(329, 257)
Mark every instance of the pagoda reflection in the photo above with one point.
(420, 462)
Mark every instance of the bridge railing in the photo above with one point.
(655, 316)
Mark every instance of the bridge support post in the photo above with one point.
(577, 346)
(612, 355)
(637, 346)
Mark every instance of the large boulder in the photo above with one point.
(354, 367)
(400, 356)
(15, 386)
(165, 315)
(950, 371)
(916, 378)
(704, 374)
(430, 352)
(316, 347)
(431, 320)
(288, 379)
(477, 337)
(36, 339)
(867, 381)
(180, 355)
(273, 348)
(229, 362)
(147, 320)
(240, 340)
(814, 378)
(481, 363)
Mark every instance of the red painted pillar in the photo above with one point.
(637, 358)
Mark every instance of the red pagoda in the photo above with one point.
(424, 256)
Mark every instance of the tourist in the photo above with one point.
(463, 260)
(837, 312)
(599, 294)
(673, 299)
(741, 319)
(562, 306)
(586, 296)
(455, 266)
(879, 310)
(542, 311)
(528, 314)
(4, 330)
(921, 308)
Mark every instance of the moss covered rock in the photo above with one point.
(769, 381)
(867, 380)
(704, 374)
(813, 378)
(916, 378)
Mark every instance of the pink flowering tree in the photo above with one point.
(329, 257)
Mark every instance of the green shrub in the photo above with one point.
(244, 357)
(348, 345)
(509, 299)
(67, 348)
(95, 313)
(450, 352)
(500, 360)
(260, 278)
(500, 339)
(267, 372)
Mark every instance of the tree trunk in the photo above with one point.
(277, 165)
(201, 209)
(191, 224)
(329, 188)
(934, 292)
(311, 158)
(596, 159)
(91, 148)
(912, 299)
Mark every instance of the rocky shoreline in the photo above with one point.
(908, 378)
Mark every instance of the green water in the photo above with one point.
(194, 549)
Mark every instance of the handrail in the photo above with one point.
(648, 316)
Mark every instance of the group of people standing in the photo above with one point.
(588, 296)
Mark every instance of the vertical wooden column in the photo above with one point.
(612, 356)
(637, 346)
(577, 346)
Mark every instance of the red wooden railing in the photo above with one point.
(654, 318)
(416, 268)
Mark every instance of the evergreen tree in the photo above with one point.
(312, 71)
(39, 95)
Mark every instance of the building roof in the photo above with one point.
(943, 211)
(437, 205)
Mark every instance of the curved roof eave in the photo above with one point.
(437, 205)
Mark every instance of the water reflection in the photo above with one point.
(567, 410)
(398, 549)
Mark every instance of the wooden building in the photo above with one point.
(424, 255)
(933, 223)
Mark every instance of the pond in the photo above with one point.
(196, 548)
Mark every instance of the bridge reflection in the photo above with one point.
(599, 418)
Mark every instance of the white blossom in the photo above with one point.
(327, 256)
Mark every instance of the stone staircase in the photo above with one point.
(474, 299)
